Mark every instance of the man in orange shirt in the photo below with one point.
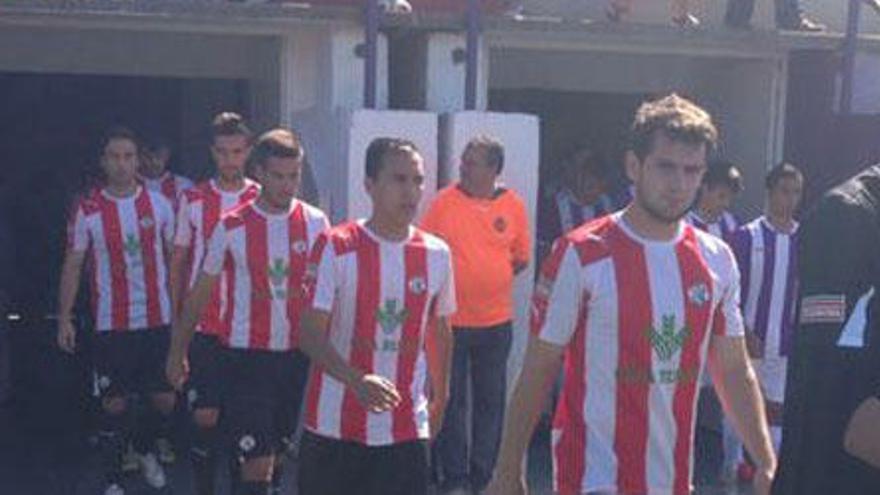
(487, 230)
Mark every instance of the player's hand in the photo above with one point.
(507, 482)
(763, 481)
(436, 411)
(176, 370)
(66, 335)
(376, 393)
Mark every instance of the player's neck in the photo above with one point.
(479, 191)
(648, 226)
(231, 184)
(782, 223)
(271, 208)
(387, 229)
(121, 190)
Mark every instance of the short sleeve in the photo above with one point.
(728, 321)
(558, 295)
(445, 302)
(183, 230)
(77, 231)
(216, 252)
(320, 278)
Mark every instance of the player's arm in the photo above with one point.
(522, 244)
(180, 252)
(184, 326)
(740, 395)
(71, 271)
(375, 392)
(438, 346)
(541, 365)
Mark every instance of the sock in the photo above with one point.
(204, 460)
(112, 445)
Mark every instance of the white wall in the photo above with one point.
(520, 135)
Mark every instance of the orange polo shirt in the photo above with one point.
(486, 236)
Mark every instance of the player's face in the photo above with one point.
(230, 155)
(120, 162)
(587, 186)
(477, 174)
(785, 197)
(279, 178)
(397, 189)
(154, 162)
(667, 180)
(716, 200)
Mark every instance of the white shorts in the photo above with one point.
(771, 375)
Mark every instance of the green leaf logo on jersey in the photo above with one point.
(390, 317)
(278, 270)
(668, 341)
(132, 246)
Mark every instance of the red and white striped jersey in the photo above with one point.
(126, 238)
(200, 210)
(169, 185)
(380, 295)
(635, 317)
(263, 258)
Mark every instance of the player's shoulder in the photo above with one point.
(345, 237)
(431, 241)
(236, 216)
(715, 251)
(157, 199)
(199, 192)
(89, 202)
(591, 241)
(312, 212)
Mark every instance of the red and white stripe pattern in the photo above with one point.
(126, 239)
(635, 317)
(380, 295)
(169, 185)
(263, 258)
(200, 210)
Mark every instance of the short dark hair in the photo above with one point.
(380, 148)
(677, 118)
(119, 132)
(494, 150)
(781, 171)
(723, 173)
(277, 143)
(230, 124)
(588, 160)
(155, 142)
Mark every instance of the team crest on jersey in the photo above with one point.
(390, 316)
(278, 271)
(298, 247)
(247, 443)
(417, 285)
(667, 341)
(132, 246)
(147, 222)
(500, 224)
(698, 294)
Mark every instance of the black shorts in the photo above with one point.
(206, 367)
(263, 399)
(131, 362)
(337, 467)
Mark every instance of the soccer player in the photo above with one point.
(198, 215)
(834, 365)
(766, 253)
(637, 303)
(721, 184)
(486, 227)
(125, 230)
(154, 174)
(262, 248)
(376, 330)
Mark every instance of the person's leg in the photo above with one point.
(451, 443)
(323, 466)
(489, 378)
(400, 469)
(739, 13)
(203, 399)
(113, 372)
(291, 391)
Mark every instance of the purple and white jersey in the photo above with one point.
(573, 214)
(723, 228)
(768, 265)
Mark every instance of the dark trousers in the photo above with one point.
(479, 358)
(336, 467)
(739, 12)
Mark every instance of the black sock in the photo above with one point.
(234, 474)
(204, 460)
(277, 479)
(112, 440)
(247, 487)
